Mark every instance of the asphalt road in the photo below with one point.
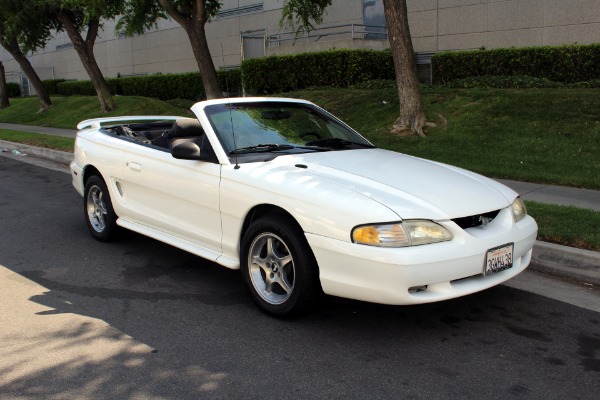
(179, 327)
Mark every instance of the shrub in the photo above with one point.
(335, 68)
(231, 81)
(85, 88)
(574, 63)
(13, 89)
(51, 85)
(595, 83)
(165, 87)
(503, 82)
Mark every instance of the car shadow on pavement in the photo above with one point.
(176, 326)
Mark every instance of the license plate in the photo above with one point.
(498, 259)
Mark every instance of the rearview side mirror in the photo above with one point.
(187, 151)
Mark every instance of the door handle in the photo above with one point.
(135, 166)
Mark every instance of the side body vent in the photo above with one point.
(119, 188)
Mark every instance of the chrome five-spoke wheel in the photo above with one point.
(271, 268)
(97, 206)
(96, 209)
(279, 267)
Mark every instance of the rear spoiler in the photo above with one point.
(96, 123)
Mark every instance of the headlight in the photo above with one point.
(518, 209)
(401, 234)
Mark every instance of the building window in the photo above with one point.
(64, 46)
(236, 12)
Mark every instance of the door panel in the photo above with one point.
(178, 197)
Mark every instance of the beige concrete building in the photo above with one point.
(250, 28)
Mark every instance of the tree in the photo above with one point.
(16, 19)
(192, 15)
(4, 102)
(76, 17)
(299, 14)
(412, 116)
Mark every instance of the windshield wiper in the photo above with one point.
(262, 148)
(335, 142)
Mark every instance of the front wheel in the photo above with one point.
(279, 267)
(97, 206)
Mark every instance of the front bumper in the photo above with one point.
(422, 274)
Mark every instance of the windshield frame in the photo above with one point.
(232, 138)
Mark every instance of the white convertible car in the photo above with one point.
(301, 203)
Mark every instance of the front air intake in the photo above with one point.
(476, 220)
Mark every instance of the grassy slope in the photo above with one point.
(66, 112)
(537, 135)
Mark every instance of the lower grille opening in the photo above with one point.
(467, 277)
(417, 289)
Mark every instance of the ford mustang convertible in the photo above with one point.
(301, 203)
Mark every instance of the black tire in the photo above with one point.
(98, 210)
(279, 268)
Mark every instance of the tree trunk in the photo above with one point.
(4, 102)
(197, 35)
(34, 79)
(85, 51)
(412, 117)
(192, 20)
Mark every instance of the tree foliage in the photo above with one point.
(141, 15)
(33, 22)
(21, 30)
(299, 15)
(79, 17)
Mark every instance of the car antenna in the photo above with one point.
(237, 166)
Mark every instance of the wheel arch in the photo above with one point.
(261, 210)
(90, 170)
(307, 289)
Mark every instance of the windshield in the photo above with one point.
(279, 126)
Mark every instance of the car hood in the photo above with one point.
(411, 187)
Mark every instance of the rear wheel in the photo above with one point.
(99, 214)
(279, 267)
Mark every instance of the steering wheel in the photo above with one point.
(305, 134)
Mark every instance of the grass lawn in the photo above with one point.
(569, 226)
(38, 140)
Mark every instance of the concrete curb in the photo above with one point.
(568, 262)
(62, 157)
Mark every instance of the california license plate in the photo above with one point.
(498, 259)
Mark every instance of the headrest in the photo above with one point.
(188, 127)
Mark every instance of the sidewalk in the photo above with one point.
(40, 129)
(549, 194)
(577, 264)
